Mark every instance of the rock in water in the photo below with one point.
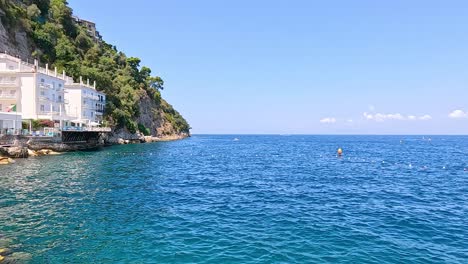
(5, 242)
(14, 152)
(5, 251)
(21, 256)
(32, 153)
(4, 161)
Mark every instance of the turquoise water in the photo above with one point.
(259, 199)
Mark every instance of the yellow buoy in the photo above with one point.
(339, 152)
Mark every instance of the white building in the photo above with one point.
(33, 91)
(85, 103)
(30, 92)
(10, 122)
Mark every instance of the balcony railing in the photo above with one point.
(45, 86)
(8, 96)
(8, 83)
(87, 129)
(92, 97)
(49, 113)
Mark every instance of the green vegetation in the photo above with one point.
(38, 124)
(144, 130)
(58, 40)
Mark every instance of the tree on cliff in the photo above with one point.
(58, 40)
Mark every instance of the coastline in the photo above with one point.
(22, 149)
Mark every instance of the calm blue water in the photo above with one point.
(261, 199)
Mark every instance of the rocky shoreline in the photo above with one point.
(31, 148)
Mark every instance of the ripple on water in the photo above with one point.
(259, 199)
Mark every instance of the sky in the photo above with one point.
(299, 66)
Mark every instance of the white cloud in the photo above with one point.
(425, 117)
(382, 117)
(379, 117)
(349, 121)
(328, 120)
(457, 114)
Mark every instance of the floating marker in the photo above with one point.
(339, 152)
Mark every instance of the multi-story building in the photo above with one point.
(30, 92)
(90, 28)
(84, 102)
(33, 91)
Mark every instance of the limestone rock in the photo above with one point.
(14, 152)
(5, 251)
(4, 161)
(32, 153)
(44, 152)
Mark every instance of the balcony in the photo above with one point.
(8, 96)
(49, 113)
(92, 97)
(8, 83)
(45, 86)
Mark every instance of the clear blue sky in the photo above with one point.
(311, 67)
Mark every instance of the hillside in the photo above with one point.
(46, 30)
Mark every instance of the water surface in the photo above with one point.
(259, 199)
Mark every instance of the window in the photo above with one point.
(12, 79)
(42, 80)
(60, 98)
(1, 107)
(12, 92)
(11, 67)
(42, 92)
(60, 85)
(42, 108)
(92, 114)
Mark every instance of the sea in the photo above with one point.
(242, 199)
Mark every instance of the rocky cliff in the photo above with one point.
(46, 30)
(13, 41)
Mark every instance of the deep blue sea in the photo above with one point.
(258, 199)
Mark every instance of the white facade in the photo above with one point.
(38, 93)
(85, 103)
(33, 92)
(10, 122)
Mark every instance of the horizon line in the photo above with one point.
(306, 134)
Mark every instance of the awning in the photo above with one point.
(79, 121)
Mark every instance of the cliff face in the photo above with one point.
(14, 40)
(46, 30)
